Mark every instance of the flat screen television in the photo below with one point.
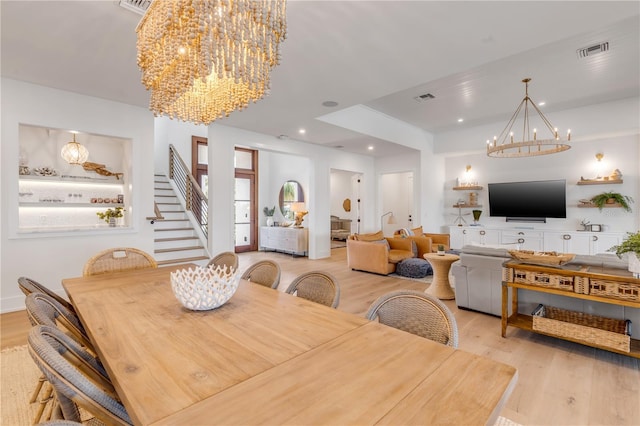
(532, 201)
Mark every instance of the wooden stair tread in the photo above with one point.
(173, 229)
(181, 260)
(163, 240)
(168, 250)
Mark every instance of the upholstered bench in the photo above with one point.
(414, 268)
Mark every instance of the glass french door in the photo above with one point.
(245, 201)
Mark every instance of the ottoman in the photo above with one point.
(413, 268)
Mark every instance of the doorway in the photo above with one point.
(396, 195)
(245, 206)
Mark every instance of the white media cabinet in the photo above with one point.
(578, 242)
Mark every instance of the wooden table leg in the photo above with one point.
(505, 312)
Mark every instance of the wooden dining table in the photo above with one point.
(267, 357)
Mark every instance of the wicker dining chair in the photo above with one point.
(264, 272)
(227, 258)
(118, 259)
(77, 377)
(317, 286)
(43, 309)
(28, 286)
(418, 313)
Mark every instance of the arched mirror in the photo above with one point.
(291, 192)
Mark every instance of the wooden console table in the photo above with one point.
(573, 273)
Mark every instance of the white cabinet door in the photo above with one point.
(480, 236)
(567, 242)
(523, 240)
(456, 237)
(601, 242)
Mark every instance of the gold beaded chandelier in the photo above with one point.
(527, 147)
(203, 59)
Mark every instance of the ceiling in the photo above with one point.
(471, 56)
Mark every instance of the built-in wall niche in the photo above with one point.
(55, 196)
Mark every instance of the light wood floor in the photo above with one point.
(560, 383)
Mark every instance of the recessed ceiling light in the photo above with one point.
(541, 103)
(302, 131)
(460, 120)
(330, 104)
(370, 148)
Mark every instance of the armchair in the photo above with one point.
(426, 242)
(377, 254)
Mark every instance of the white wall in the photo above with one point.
(307, 163)
(620, 152)
(176, 133)
(609, 128)
(49, 259)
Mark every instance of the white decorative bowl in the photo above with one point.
(204, 288)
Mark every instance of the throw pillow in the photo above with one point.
(405, 232)
(417, 231)
(370, 237)
(383, 242)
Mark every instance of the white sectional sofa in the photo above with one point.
(478, 281)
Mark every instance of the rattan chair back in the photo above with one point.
(118, 259)
(418, 313)
(78, 378)
(227, 258)
(317, 286)
(42, 309)
(264, 272)
(28, 286)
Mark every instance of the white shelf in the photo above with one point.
(62, 204)
(71, 180)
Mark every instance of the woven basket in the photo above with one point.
(543, 279)
(547, 258)
(614, 289)
(581, 285)
(591, 329)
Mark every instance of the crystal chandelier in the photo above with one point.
(527, 147)
(203, 59)
(74, 153)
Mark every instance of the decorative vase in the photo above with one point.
(112, 222)
(634, 264)
(476, 216)
(269, 220)
(204, 288)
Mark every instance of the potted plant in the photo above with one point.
(630, 244)
(612, 198)
(110, 215)
(440, 249)
(269, 212)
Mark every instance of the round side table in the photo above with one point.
(440, 286)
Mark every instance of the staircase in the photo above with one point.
(175, 239)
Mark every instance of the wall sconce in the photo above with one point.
(390, 221)
(299, 212)
(467, 179)
(599, 165)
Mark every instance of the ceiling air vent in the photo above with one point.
(424, 97)
(137, 6)
(593, 50)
